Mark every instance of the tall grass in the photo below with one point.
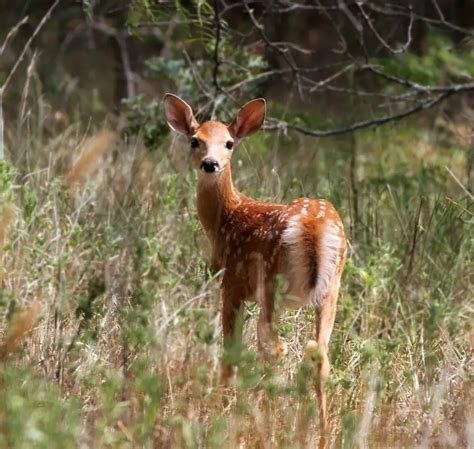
(102, 241)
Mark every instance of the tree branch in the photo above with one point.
(373, 123)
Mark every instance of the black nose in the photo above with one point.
(209, 165)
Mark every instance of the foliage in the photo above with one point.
(440, 62)
(34, 414)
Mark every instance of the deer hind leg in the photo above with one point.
(317, 351)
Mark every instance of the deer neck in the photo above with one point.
(216, 198)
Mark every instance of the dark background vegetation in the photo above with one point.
(100, 53)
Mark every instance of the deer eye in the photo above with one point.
(194, 143)
(229, 144)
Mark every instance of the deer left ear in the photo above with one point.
(249, 119)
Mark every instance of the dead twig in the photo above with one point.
(17, 64)
(460, 184)
(27, 46)
(12, 33)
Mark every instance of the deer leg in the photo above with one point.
(317, 351)
(267, 329)
(232, 321)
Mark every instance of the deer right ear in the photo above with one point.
(179, 115)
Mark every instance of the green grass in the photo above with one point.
(126, 350)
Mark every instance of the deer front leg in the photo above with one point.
(232, 322)
(267, 329)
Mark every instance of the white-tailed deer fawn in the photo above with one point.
(254, 241)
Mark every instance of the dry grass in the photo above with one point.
(5, 220)
(20, 325)
(93, 150)
(126, 354)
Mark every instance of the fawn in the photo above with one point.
(254, 241)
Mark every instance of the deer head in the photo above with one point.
(212, 143)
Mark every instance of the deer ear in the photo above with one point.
(179, 115)
(249, 119)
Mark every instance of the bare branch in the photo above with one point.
(319, 84)
(381, 39)
(438, 10)
(352, 19)
(336, 28)
(283, 52)
(377, 70)
(388, 11)
(197, 79)
(373, 123)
